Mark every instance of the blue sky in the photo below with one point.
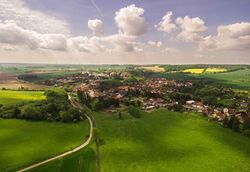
(207, 31)
(78, 12)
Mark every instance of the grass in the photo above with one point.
(237, 79)
(169, 141)
(194, 70)
(167, 75)
(23, 142)
(83, 160)
(13, 97)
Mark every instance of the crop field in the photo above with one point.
(169, 75)
(215, 70)
(19, 85)
(153, 68)
(194, 71)
(13, 97)
(23, 142)
(82, 161)
(169, 141)
(237, 79)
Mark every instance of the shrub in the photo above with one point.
(133, 111)
(246, 132)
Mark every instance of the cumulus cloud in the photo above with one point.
(96, 26)
(112, 43)
(153, 43)
(229, 37)
(130, 21)
(166, 24)
(191, 28)
(26, 18)
(53, 41)
(13, 34)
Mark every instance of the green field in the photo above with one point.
(82, 161)
(168, 141)
(13, 97)
(23, 142)
(237, 79)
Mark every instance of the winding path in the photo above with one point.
(76, 105)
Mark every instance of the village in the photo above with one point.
(148, 94)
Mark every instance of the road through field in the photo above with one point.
(71, 151)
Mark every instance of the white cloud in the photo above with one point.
(153, 43)
(170, 50)
(96, 26)
(229, 37)
(130, 21)
(166, 24)
(29, 19)
(191, 28)
(8, 47)
(112, 43)
(12, 34)
(53, 41)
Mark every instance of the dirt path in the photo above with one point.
(68, 152)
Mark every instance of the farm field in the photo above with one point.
(23, 142)
(18, 85)
(83, 160)
(169, 141)
(13, 97)
(194, 71)
(237, 79)
(153, 68)
(215, 70)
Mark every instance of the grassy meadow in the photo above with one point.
(23, 142)
(236, 79)
(13, 97)
(82, 161)
(168, 141)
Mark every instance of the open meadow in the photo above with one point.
(24, 142)
(236, 79)
(13, 97)
(167, 141)
(82, 161)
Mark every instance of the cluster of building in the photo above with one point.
(150, 93)
(219, 114)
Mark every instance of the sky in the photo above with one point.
(125, 31)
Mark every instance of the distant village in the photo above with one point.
(149, 93)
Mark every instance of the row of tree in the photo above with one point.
(56, 107)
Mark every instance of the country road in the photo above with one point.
(68, 152)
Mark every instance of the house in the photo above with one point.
(242, 116)
(149, 107)
(190, 102)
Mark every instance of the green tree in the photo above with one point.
(225, 122)
(84, 98)
(236, 125)
(65, 116)
(99, 141)
(119, 115)
(134, 111)
(32, 113)
(16, 112)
